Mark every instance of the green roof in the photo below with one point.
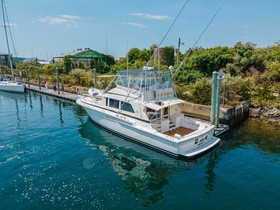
(88, 54)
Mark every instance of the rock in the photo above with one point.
(255, 112)
(270, 114)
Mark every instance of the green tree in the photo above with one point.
(144, 55)
(109, 60)
(67, 64)
(133, 55)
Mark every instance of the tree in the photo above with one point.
(67, 64)
(133, 55)
(144, 55)
(152, 48)
(109, 60)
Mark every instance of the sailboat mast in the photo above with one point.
(6, 35)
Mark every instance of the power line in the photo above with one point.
(185, 58)
(169, 30)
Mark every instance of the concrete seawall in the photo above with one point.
(229, 116)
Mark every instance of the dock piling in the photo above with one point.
(38, 76)
(57, 80)
(217, 118)
(215, 100)
(214, 97)
(27, 76)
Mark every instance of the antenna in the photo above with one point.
(127, 55)
(178, 53)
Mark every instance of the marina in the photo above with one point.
(107, 125)
(54, 156)
(173, 133)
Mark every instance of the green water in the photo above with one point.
(53, 157)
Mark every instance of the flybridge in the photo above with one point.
(152, 85)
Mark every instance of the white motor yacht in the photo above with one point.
(144, 108)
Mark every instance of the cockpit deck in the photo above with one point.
(180, 130)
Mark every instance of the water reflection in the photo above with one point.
(17, 98)
(30, 101)
(41, 105)
(60, 114)
(143, 171)
(264, 136)
(212, 162)
(17, 114)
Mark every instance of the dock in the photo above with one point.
(73, 97)
(221, 130)
(50, 92)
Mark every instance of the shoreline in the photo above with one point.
(265, 114)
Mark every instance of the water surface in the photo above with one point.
(52, 156)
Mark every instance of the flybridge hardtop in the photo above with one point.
(143, 107)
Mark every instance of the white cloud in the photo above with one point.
(71, 17)
(69, 20)
(148, 16)
(139, 25)
(11, 25)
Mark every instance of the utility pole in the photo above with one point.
(178, 52)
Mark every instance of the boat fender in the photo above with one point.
(177, 136)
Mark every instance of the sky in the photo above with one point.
(50, 28)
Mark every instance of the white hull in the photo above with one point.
(11, 86)
(189, 146)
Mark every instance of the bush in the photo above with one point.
(201, 91)
(78, 76)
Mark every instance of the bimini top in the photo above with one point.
(152, 84)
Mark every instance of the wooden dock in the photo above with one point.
(50, 92)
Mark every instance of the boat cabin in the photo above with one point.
(149, 95)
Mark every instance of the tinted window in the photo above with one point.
(114, 103)
(127, 107)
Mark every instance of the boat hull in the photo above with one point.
(12, 87)
(186, 148)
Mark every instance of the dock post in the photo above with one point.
(27, 76)
(57, 80)
(217, 117)
(214, 97)
(95, 78)
(38, 76)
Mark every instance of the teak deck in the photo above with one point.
(180, 130)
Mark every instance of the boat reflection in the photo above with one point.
(144, 172)
(13, 95)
